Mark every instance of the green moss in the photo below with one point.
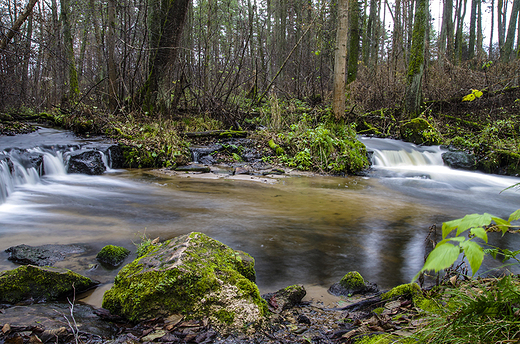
(185, 275)
(276, 148)
(352, 280)
(384, 339)
(378, 310)
(40, 284)
(112, 255)
(225, 316)
(409, 289)
(419, 131)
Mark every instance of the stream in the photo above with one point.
(306, 230)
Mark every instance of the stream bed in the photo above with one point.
(309, 230)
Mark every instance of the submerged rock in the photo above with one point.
(45, 255)
(86, 162)
(34, 283)
(112, 255)
(193, 275)
(193, 168)
(286, 298)
(352, 283)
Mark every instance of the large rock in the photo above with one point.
(459, 160)
(45, 255)
(34, 283)
(86, 162)
(193, 275)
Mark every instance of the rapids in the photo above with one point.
(308, 230)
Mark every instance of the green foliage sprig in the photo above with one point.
(447, 251)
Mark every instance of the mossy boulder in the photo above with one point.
(407, 290)
(112, 255)
(41, 284)
(420, 132)
(352, 283)
(500, 162)
(193, 275)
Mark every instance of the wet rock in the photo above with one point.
(246, 169)
(191, 275)
(7, 161)
(45, 255)
(34, 283)
(204, 152)
(112, 152)
(86, 162)
(112, 255)
(459, 160)
(50, 317)
(352, 283)
(286, 298)
(193, 168)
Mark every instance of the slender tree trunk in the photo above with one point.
(340, 61)
(27, 56)
(511, 30)
(501, 23)
(472, 29)
(416, 67)
(72, 74)
(353, 40)
(397, 37)
(480, 35)
(111, 63)
(461, 13)
(490, 53)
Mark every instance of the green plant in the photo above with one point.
(447, 251)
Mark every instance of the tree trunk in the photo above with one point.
(111, 63)
(72, 74)
(511, 30)
(472, 29)
(480, 35)
(340, 61)
(165, 25)
(353, 40)
(416, 67)
(27, 56)
(461, 13)
(17, 24)
(501, 23)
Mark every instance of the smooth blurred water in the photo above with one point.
(309, 230)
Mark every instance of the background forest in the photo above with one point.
(259, 62)
(230, 51)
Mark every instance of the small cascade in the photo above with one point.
(388, 153)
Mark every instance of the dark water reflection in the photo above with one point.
(309, 230)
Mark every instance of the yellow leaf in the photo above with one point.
(469, 98)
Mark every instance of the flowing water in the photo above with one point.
(308, 230)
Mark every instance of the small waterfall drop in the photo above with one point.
(423, 167)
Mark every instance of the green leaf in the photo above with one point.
(474, 220)
(449, 226)
(492, 252)
(442, 257)
(502, 224)
(480, 233)
(474, 253)
(515, 216)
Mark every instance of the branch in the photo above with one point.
(17, 24)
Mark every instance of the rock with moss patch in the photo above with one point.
(112, 255)
(459, 160)
(193, 275)
(30, 282)
(406, 290)
(285, 298)
(352, 283)
(420, 132)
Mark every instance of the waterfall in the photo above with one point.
(27, 166)
(387, 153)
